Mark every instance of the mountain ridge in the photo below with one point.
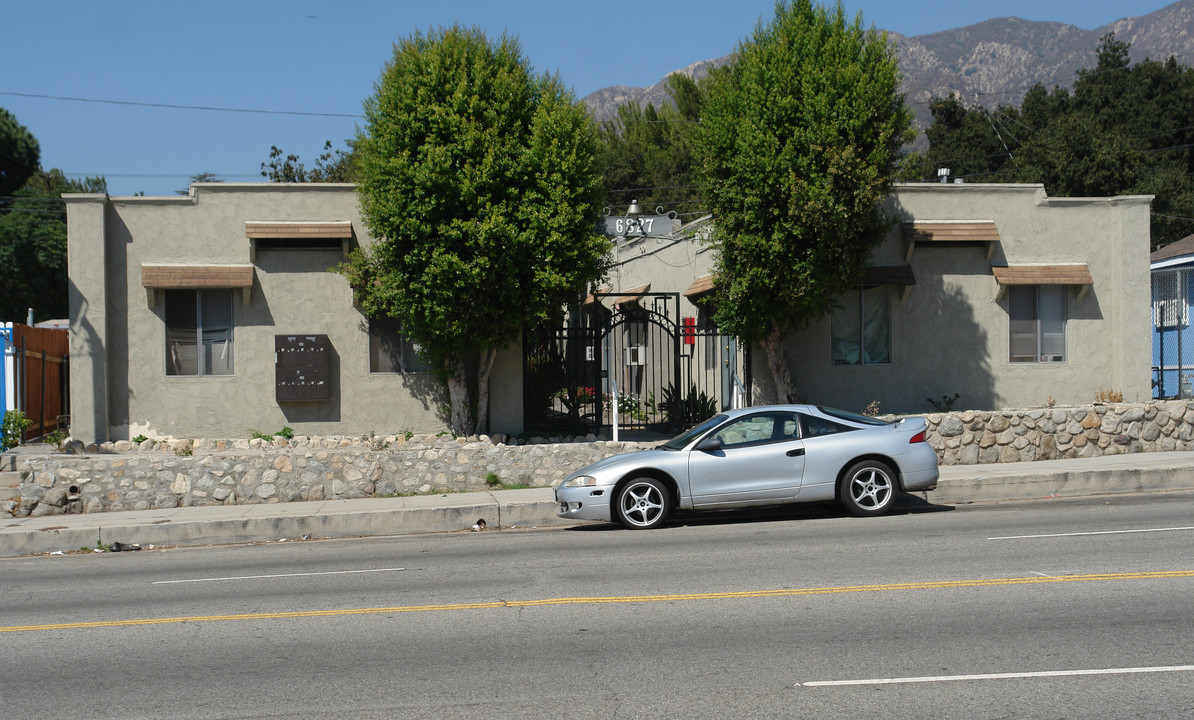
(993, 62)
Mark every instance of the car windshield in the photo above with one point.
(682, 440)
(852, 417)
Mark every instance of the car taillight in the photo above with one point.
(918, 437)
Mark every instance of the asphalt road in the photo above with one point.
(1054, 609)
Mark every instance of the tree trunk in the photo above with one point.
(461, 418)
(777, 362)
(488, 356)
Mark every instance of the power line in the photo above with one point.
(179, 107)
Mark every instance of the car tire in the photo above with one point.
(642, 504)
(868, 488)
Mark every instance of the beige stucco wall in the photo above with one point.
(951, 334)
(293, 293)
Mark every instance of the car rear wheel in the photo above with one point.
(868, 488)
(642, 504)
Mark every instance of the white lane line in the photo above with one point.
(1000, 676)
(262, 577)
(1101, 532)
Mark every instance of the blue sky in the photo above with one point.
(320, 56)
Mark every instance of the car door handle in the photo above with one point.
(796, 452)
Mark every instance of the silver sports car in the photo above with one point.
(758, 456)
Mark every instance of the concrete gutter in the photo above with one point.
(535, 507)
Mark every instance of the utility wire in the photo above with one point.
(179, 107)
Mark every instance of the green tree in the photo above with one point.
(800, 142)
(649, 154)
(19, 155)
(1123, 130)
(203, 177)
(337, 166)
(33, 246)
(477, 180)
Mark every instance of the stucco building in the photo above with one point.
(215, 313)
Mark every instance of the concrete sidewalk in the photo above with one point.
(535, 507)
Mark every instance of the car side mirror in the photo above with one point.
(709, 444)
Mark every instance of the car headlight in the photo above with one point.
(581, 481)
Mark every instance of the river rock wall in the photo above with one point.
(174, 473)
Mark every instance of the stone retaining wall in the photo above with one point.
(165, 474)
(974, 437)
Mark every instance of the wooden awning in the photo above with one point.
(193, 277)
(950, 232)
(1072, 274)
(591, 300)
(633, 296)
(278, 229)
(298, 235)
(700, 287)
(1076, 274)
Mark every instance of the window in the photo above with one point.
(756, 429)
(1170, 308)
(862, 327)
(392, 352)
(198, 332)
(1037, 323)
(815, 426)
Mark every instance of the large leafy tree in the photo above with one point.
(20, 154)
(648, 154)
(33, 246)
(800, 141)
(478, 180)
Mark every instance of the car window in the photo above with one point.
(756, 429)
(814, 426)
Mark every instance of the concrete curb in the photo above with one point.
(535, 507)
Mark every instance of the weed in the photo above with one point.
(872, 410)
(139, 439)
(1109, 396)
(492, 480)
(15, 425)
(945, 404)
(286, 432)
(55, 438)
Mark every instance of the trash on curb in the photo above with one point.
(124, 547)
(479, 526)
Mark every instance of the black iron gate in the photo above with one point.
(639, 364)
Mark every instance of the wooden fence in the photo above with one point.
(42, 377)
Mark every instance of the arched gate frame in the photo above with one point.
(667, 372)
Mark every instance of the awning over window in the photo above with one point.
(1075, 274)
(950, 232)
(337, 229)
(592, 301)
(633, 296)
(297, 235)
(187, 277)
(700, 287)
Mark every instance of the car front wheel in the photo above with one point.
(642, 504)
(868, 488)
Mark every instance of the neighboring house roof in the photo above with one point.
(1174, 253)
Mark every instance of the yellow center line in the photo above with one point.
(787, 592)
